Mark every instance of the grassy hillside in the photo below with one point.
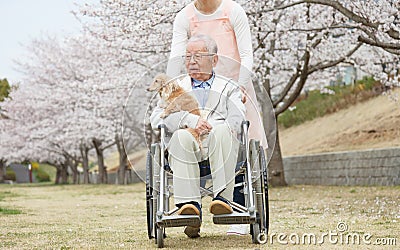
(318, 103)
(366, 125)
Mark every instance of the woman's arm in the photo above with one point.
(241, 27)
(180, 34)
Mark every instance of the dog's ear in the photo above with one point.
(165, 91)
(175, 86)
(164, 77)
(161, 80)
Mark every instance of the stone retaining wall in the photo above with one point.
(380, 167)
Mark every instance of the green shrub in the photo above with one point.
(10, 175)
(50, 170)
(41, 176)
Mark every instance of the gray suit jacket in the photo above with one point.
(223, 105)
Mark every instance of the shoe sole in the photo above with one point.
(219, 207)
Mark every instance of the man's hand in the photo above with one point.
(203, 127)
(243, 89)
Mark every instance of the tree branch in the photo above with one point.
(377, 43)
(335, 62)
(287, 88)
(303, 79)
(346, 12)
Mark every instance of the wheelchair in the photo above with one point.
(251, 170)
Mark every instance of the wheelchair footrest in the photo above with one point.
(234, 218)
(180, 221)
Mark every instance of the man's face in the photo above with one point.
(198, 61)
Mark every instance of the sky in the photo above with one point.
(23, 20)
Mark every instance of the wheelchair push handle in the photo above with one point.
(245, 125)
(162, 126)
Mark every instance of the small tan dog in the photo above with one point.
(175, 99)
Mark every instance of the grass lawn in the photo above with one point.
(114, 217)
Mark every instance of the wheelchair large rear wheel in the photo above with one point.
(150, 212)
(264, 173)
(260, 227)
(153, 164)
(159, 231)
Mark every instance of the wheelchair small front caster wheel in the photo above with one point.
(160, 237)
(262, 238)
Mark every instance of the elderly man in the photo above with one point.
(220, 123)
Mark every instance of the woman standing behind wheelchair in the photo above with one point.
(226, 22)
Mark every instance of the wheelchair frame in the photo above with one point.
(251, 162)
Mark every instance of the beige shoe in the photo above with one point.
(188, 209)
(218, 207)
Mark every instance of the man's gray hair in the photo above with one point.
(210, 43)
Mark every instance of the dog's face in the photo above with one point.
(158, 83)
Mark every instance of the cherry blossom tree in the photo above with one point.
(299, 42)
(86, 83)
(290, 46)
(377, 21)
(44, 104)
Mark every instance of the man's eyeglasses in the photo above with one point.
(197, 57)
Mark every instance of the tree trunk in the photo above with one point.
(61, 174)
(75, 174)
(275, 166)
(2, 171)
(85, 163)
(64, 173)
(102, 177)
(58, 176)
(69, 163)
(105, 178)
(123, 162)
(122, 173)
(275, 170)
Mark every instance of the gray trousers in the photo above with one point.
(221, 148)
